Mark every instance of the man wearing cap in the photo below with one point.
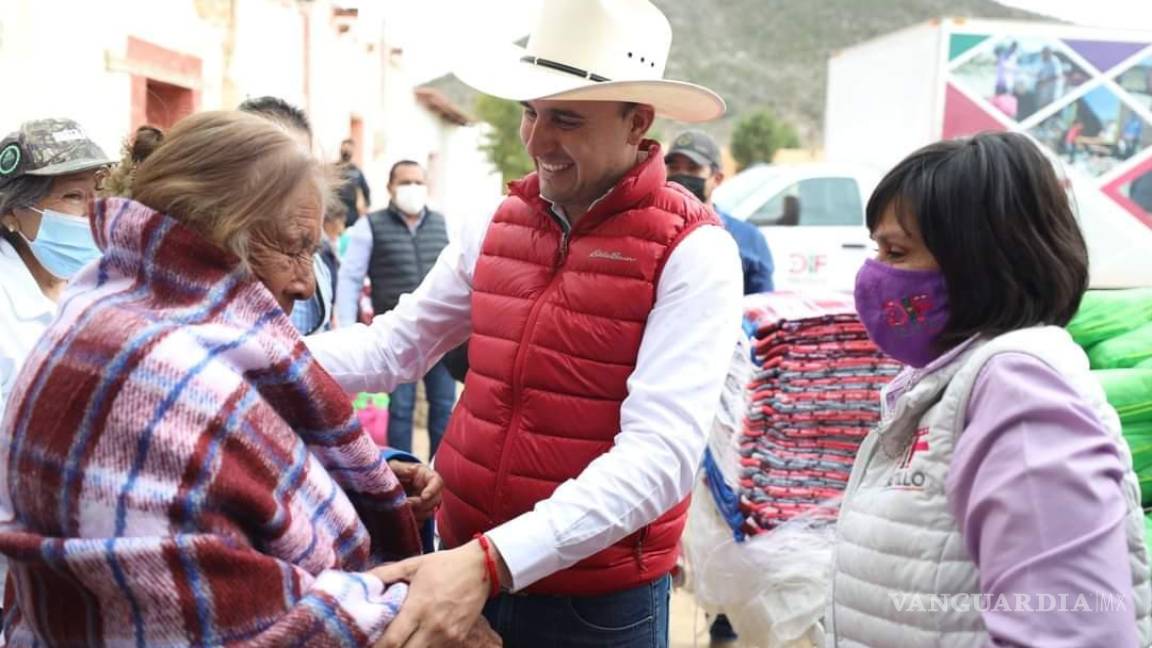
(603, 304)
(48, 173)
(694, 162)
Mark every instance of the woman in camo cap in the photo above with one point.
(48, 174)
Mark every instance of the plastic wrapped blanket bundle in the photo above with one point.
(772, 586)
(798, 400)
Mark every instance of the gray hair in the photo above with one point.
(226, 174)
(23, 191)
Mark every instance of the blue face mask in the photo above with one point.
(64, 243)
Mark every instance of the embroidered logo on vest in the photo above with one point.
(919, 444)
(611, 256)
(905, 478)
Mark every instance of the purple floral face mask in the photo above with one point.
(903, 310)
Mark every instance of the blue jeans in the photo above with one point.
(440, 389)
(634, 618)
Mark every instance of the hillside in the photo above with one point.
(774, 52)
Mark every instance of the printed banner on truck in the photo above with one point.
(1088, 101)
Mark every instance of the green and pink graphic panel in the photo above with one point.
(1088, 101)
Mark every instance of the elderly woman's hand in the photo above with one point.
(483, 636)
(422, 485)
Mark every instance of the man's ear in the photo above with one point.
(640, 122)
(718, 178)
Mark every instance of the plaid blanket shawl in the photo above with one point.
(178, 470)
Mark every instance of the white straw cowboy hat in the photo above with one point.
(592, 50)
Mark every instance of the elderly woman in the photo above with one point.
(48, 174)
(180, 470)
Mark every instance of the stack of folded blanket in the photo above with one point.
(814, 395)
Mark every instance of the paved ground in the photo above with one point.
(687, 625)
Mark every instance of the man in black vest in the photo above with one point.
(394, 248)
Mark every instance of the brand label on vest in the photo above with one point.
(906, 476)
(611, 256)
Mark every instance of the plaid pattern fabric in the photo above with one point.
(178, 470)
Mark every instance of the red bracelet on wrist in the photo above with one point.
(489, 565)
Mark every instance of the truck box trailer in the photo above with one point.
(1084, 94)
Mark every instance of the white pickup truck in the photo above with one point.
(812, 216)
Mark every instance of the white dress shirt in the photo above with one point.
(672, 394)
(25, 314)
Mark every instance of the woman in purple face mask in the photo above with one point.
(995, 504)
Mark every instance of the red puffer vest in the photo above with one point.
(557, 325)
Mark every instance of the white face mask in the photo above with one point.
(411, 199)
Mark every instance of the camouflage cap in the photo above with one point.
(49, 147)
(697, 146)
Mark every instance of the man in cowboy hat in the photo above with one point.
(603, 304)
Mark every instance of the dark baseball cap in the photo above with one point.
(49, 147)
(697, 146)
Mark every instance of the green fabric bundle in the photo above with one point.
(1148, 532)
(1129, 391)
(1125, 351)
(1106, 314)
(1139, 437)
(363, 399)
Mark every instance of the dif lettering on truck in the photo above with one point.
(807, 265)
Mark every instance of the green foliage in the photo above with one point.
(502, 142)
(758, 136)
